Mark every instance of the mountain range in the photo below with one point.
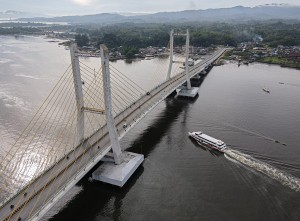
(10, 14)
(234, 14)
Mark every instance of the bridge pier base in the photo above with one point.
(185, 92)
(117, 175)
(196, 77)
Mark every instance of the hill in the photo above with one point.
(234, 14)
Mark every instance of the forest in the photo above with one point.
(273, 33)
(141, 35)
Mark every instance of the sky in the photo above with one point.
(80, 7)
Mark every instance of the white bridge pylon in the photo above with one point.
(124, 163)
(113, 135)
(78, 93)
(188, 91)
(117, 152)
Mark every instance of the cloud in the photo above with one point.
(82, 2)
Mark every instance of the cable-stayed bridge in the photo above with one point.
(80, 123)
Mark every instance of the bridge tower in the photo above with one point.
(123, 165)
(78, 93)
(171, 54)
(113, 135)
(188, 90)
(187, 53)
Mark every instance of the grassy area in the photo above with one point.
(283, 62)
(242, 55)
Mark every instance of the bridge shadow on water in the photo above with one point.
(153, 134)
(97, 200)
(100, 201)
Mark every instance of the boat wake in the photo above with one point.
(257, 134)
(274, 173)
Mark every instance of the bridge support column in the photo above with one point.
(120, 169)
(113, 135)
(78, 93)
(171, 54)
(187, 53)
(187, 91)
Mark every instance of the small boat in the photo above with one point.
(149, 56)
(266, 90)
(208, 141)
(280, 82)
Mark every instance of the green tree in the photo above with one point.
(129, 52)
(82, 40)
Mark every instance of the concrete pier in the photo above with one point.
(185, 92)
(117, 175)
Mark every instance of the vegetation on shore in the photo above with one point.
(283, 62)
(248, 56)
(133, 36)
(141, 35)
(273, 33)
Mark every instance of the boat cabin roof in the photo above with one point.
(214, 140)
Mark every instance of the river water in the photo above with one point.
(256, 179)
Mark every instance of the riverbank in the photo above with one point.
(249, 57)
(283, 62)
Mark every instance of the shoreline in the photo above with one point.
(255, 62)
(281, 62)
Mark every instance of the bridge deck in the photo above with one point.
(46, 189)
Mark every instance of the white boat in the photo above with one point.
(205, 140)
(149, 56)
